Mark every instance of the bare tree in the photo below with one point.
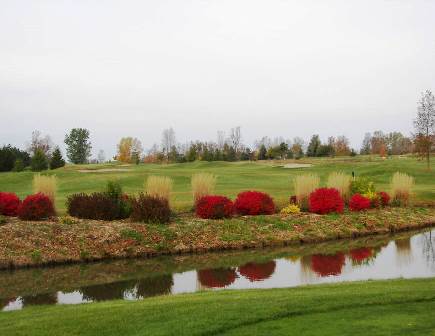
(220, 139)
(101, 156)
(38, 142)
(168, 141)
(424, 124)
(236, 138)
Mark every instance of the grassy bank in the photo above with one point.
(398, 307)
(232, 177)
(37, 243)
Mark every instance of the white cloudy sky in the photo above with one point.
(275, 67)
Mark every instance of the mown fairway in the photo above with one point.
(398, 307)
(232, 177)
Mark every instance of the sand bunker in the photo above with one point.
(297, 165)
(106, 170)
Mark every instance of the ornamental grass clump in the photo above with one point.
(202, 184)
(304, 185)
(46, 185)
(341, 182)
(401, 188)
(159, 187)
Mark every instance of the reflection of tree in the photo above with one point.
(111, 291)
(403, 248)
(325, 265)
(429, 248)
(361, 255)
(39, 299)
(152, 286)
(306, 272)
(217, 277)
(257, 271)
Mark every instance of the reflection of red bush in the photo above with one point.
(359, 202)
(9, 203)
(217, 277)
(326, 200)
(254, 203)
(257, 271)
(214, 207)
(361, 254)
(326, 265)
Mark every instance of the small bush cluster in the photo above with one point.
(361, 185)
(214, 207)
(149, 209)
(9, 203)
(290, 209)
(254, 203)
(326, 200)
(358, 202)
(36, 207)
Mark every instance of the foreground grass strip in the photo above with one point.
(376, 308)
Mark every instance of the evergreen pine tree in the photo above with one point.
(57, 160)
(39, 161)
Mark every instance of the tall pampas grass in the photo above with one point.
(159, 187)
(304, 185)
(401, 188)
(341, 182)
(202, 184)
(46, 185)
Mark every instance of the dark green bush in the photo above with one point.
(150, 209)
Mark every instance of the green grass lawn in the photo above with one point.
(232, 177)
(397, 307)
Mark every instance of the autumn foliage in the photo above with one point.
(361, 254)
(9, 203)
(254, 203)
(358, 202)
(217, 277)
(326, 200)
(36, 207)
(214, 207)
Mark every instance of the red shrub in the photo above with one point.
(214, 207)
(9, 203)
(361, 254)
(326, 200)
(217, 277)
(385, 198)
(326, 265)
(257, 271)
(293, 199)
(358, 202)
(36, 207)
(254, 203)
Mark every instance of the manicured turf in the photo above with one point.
(398, 307)
(232, 177)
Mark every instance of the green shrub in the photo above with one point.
(39, 161)
(362, 185)
(18, 165)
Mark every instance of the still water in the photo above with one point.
(408, 255)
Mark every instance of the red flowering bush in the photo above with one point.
(257, 271)
(326, 265)
(9, 203)
(217, 277)
(254, 203)
(325, 200)
(214, 207)
(361, 254)
(358, 202)
(36, 207)
(385, 198)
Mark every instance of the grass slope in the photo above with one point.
(398, 307)
(232, 177)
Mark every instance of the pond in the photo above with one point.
(406, 255)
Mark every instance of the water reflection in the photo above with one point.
(405, 255)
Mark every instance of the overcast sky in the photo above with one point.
(276, 68)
